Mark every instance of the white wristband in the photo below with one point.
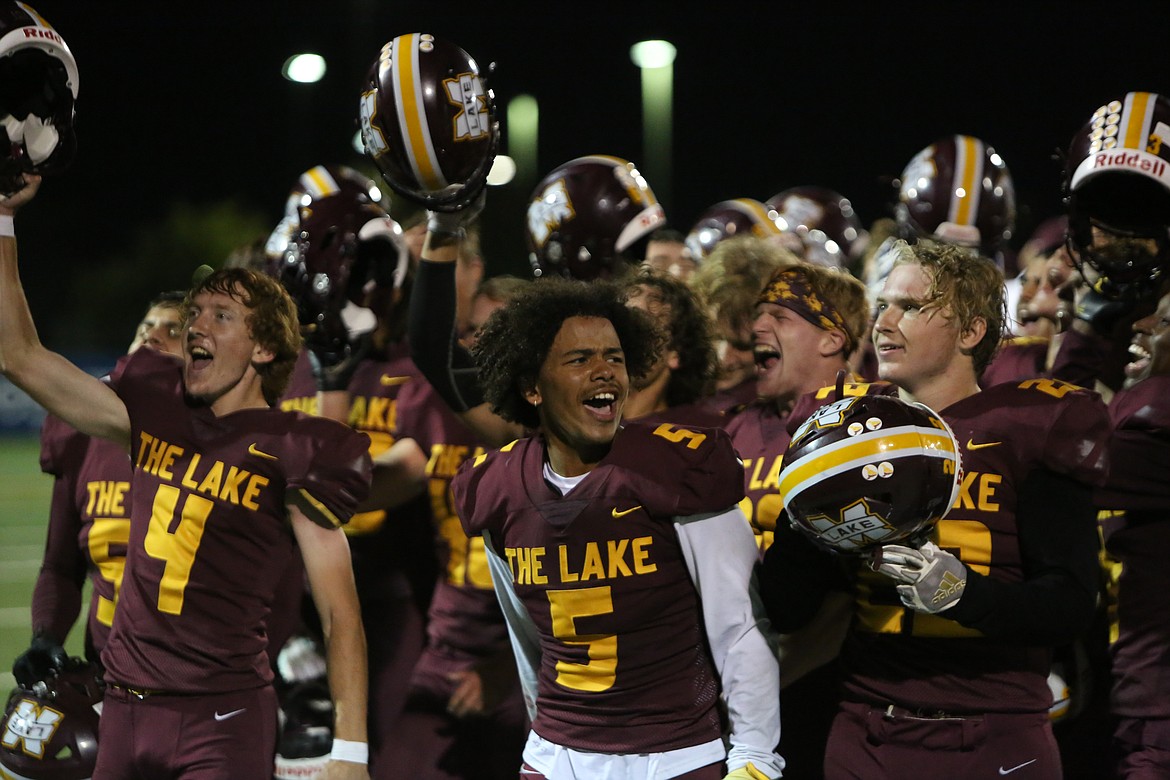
(6, 226)
(346, 750)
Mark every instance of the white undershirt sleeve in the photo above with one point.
(521, 629)
(720, 552)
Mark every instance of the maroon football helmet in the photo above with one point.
(727, 219)
(869, 470)
(1117, 178)
(428, 121)
(957, 190)
(829, 228)
(588, 216)
(38, 85)
(51, 733)
(342, 256)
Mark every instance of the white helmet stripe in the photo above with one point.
(412, 114)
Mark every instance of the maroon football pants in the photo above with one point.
(872, 743)
(225, 736)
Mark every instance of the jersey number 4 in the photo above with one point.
(175, 539)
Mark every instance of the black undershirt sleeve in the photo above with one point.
(434, 344)
(1058, 544)
(794, 578)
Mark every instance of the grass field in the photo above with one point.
(24, 508)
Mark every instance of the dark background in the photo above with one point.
(189, 138)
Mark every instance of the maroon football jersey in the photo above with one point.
(685, 415)
(1018, 358)
(89, 526)
(1137, 537)
(917, 660)
(730, 401)
(209, 532)
(624, 661)
(464, 614)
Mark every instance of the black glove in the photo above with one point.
(1101, 312)
(334, 364)
(43, 658)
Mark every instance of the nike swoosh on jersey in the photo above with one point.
(624, 512)
(1003, 771)
(254, 450)
(231, 714)
(973, 446)
(390, 381)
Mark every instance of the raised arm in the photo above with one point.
(52, 381)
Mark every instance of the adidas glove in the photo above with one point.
(746, 772)
(932, 579)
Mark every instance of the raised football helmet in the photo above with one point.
(428, 121)
(869, 470)
(589, 215)
(51, 732)
(829, 229)
(338, 253)
(1117, 180)
(38, 86)
(957, 190)
(727, 219)
(306, 731)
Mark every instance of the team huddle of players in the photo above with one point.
(779, 493)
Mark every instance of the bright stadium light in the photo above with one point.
(653, 54)
(304, 68)
(503, 169)
(656, 61)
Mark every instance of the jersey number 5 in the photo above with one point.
(600, 672)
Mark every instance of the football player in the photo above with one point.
(809, 321)
(1136, 536)
(953, 636)
(224, 486)
(618, 551)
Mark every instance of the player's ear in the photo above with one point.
(262, 354)
(832, 342)
(532, 395)
(974, 333)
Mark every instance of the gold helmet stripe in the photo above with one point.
(412, 114)
(852, 453)
(1135, 118)
(968, 180)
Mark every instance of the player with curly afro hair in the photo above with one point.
(516, 340)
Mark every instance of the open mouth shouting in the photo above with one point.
(602, 405)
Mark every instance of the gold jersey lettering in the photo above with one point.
(977, 491)
(106, 498)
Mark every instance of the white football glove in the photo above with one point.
(452, 223)
(932, 579)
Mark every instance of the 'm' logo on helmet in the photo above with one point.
(371, 135)
(549, 211)
(857, 527)
(473, 121)
(828, 416)
(31, 726)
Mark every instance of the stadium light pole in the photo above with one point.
(656, 61)
(523, 132)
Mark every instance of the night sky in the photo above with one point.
(183, 103)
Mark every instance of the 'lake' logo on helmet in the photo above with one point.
(548, 212)
(828, 416)
(31, 726)
(472, 122)
(856, 528)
